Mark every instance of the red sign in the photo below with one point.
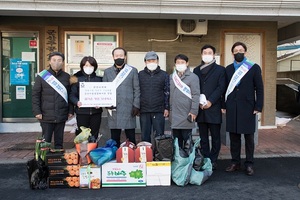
(32, 43)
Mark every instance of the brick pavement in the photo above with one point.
(280, 142)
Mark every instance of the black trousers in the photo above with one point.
(58, 129)
(235, 148)
(89, 121)
(182, 135)
(116, 135)
(207, 151)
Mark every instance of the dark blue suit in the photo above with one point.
(213, 85)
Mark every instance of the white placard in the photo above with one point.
(20, 92)
(100, 94)
(28, 56)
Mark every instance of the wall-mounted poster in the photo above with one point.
(20, 92)
(103, 52)
(78, 48)
(19, 72)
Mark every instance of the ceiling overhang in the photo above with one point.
(284, 12)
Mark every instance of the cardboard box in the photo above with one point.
(59, 158)
(64, 171)
(90, 177)
(123, 174)
(63, 182)
(159, 173)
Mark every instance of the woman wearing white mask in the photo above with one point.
(184, 99)
(85, 116)
(212, 86)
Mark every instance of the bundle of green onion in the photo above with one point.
(41, 148)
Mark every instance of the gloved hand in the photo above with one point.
(135, 111)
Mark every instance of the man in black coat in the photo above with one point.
(212, 87)
(243, 99)
(50, 100)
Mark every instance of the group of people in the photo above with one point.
(187, 98)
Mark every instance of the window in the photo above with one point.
(96, 44)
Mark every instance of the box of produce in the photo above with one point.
(64, 182)
(64, 171)
(61, 158)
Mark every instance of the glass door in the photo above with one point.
(18, 68)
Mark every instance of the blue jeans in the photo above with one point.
(149, 121)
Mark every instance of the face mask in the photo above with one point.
(152, 66)
(88, 70)
(181, 67)
(207, 58)
(119, 61)
(239, 57)
(56, 66)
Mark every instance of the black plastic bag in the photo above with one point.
(188, 149)
(164, 148)
(37, 174)
(199, 159)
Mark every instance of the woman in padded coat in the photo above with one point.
(89, 117)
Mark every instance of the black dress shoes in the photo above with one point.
(233, 167)
(214, 166)
(249, 171)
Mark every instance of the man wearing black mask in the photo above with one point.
(125, 77)
(243, 100)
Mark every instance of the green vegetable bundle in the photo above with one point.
(41, 149)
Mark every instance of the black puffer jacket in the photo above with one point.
(74, 95)
(155, 90)
(48, 102)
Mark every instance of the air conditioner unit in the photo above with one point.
(191, 27)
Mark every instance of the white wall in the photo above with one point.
(136, 59)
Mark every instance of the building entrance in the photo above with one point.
(19, 53)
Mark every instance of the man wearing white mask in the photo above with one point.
(154, 99)
(212, 86)
(184, 99)
(89, 117)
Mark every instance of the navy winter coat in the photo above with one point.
(243, 100)
(155, 90)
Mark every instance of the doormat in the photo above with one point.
(31, 146)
